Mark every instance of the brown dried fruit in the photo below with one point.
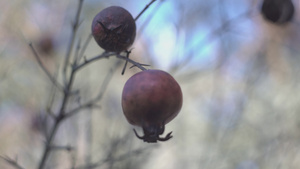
(114, 29)
(151, 99)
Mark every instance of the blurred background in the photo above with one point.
(238, 72)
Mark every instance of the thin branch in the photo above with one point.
(86, 62)
(81, 54)
(12, 162)
(110, 158)
(76, 57)
(66, 148)
(146, 7)
(209, 37)
(125, 65)
(48, 144)
(140, 66)
(52, 97)
(71, 43)
(52, 79)
(92, 103)
(148, 19)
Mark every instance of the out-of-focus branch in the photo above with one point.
(209, 37)
(75, 26)
(12, 162)
(65, 148)
(52, 79)
(81, 54)
(114, 159)
(92, 103)
(68, 80)
(146, 7)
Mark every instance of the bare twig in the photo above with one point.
(52, 97)
(12, 162)
(140, 66)
(52, 79)
(107, 55)
(81, 54)
(67, 90)
(92, 103)
(146, 7)
(110, 158)
(68, 83)
(209, 37)
(87, 61)
(76, 56)
(124, 68)
(71, 43)
(66, 148)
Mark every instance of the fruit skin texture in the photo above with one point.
(151, 99)
(114, 29)
(278, 11)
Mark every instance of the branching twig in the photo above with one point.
(140, 66)
(81, 54)
(12, 162)
(92, 103)
(67, 91)
(68, 80)
(52, 79)
(209, 37)
(107, 55)
(86, 62)
(71, 43)
(127, 55)
(110, 158)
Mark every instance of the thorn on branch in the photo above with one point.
(140, 64)
(127, 55)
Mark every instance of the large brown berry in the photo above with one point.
(151, 99)
(114, 29)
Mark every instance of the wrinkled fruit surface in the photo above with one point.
(151, 99)
(278, 11)
(114, 29)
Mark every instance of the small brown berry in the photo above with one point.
(114, 29)
(46, 44)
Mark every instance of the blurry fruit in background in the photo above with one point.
(45, 44)
(278, 11)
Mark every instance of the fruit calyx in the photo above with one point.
(152, 134)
